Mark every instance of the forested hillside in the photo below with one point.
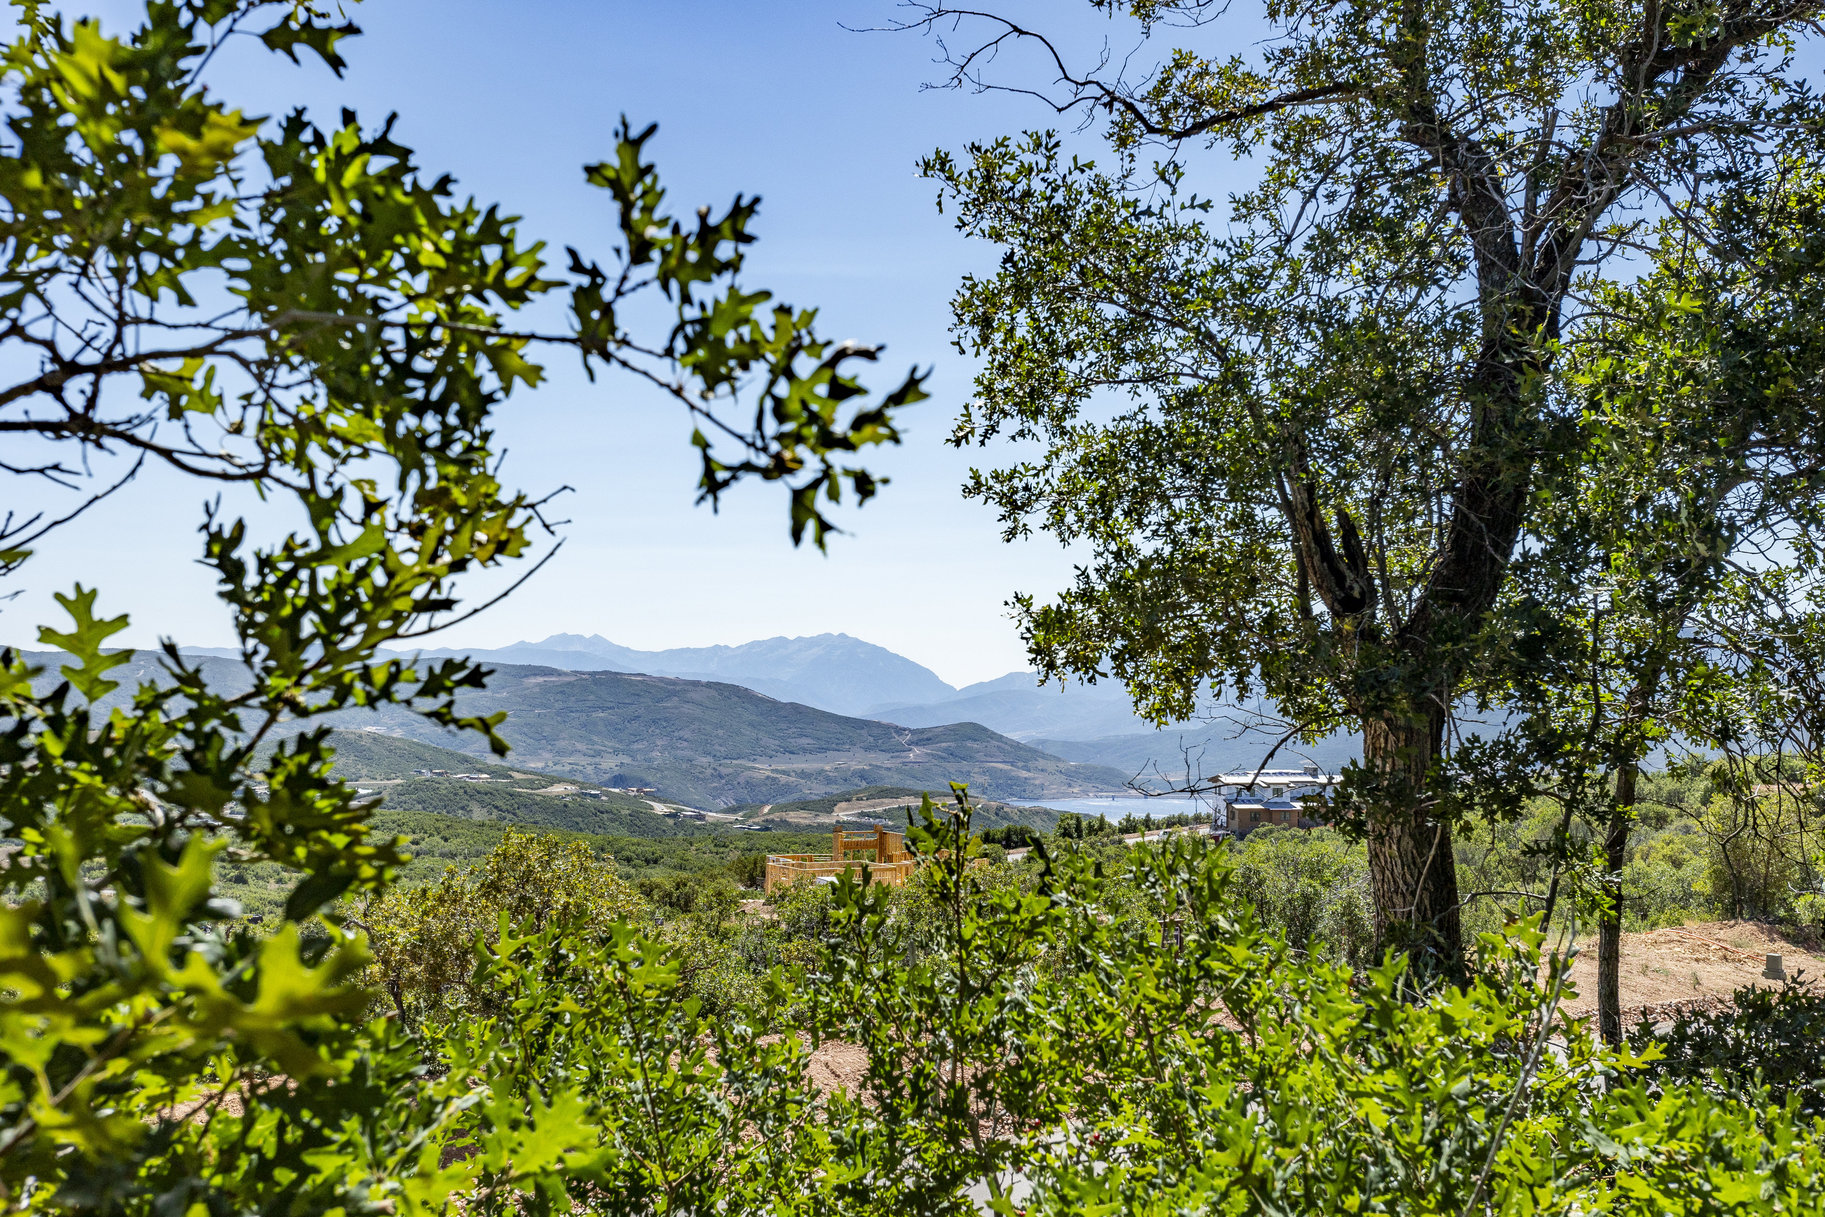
(362, 755)
(701, 743)
(409, 776)
(712, 744)
(894, 805)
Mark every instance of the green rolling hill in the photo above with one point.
(412, 776)
(705, 743)
(712, 744)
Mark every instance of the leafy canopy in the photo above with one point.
(1302, 434)
(301, 309)
(1301, 431)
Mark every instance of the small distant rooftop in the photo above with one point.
(1309, 776)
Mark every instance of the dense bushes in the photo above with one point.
(1141, 1043)
(424, 938)
(1073, 827)
(1310, 886)
(1763, 855)
(1766, 1048)
(607, 1084)
(1018, 836)
(1697, 852)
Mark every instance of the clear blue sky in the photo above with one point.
(776, 99)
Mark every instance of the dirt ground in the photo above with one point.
(838, 1066)
(855, 807)
(1695, 964)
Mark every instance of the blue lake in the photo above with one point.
(1113, 809)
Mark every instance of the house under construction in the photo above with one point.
(883, 851)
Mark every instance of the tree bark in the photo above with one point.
(1616, 842)
(399, 1002)
(1609, 921)
(1412, 865)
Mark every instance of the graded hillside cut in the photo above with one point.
(892, 806)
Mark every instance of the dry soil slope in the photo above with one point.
(1694, 964)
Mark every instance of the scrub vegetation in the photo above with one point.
(1493, 399)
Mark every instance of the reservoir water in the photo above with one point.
(1113, 809)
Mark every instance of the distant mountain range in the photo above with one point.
(759, 723)
(1093, 724)
(711, 744)
(1018, 706)
(848, 676)
(829, 671)
(707, 744)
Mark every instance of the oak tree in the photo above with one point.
(1299, 433)
(295, 307)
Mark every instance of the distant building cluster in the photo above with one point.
(1286, 798)
(457, 777)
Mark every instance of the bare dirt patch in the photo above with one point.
(837, 1066)
(1695, 965)
(855, 807)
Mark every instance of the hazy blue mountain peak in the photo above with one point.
(1013, 680)
(833, 672)
(574, 642)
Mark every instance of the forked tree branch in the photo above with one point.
(1087, 90)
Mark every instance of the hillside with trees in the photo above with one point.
(1494, 390)
(890, 805)
(699, 743)
(711, 744)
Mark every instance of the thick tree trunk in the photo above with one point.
(1609, 923)
(1412, 867)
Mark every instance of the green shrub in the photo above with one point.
(1311, 886)
(1765, 1048)
(1182, 1058)
(1665, 881)
(424, 938)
